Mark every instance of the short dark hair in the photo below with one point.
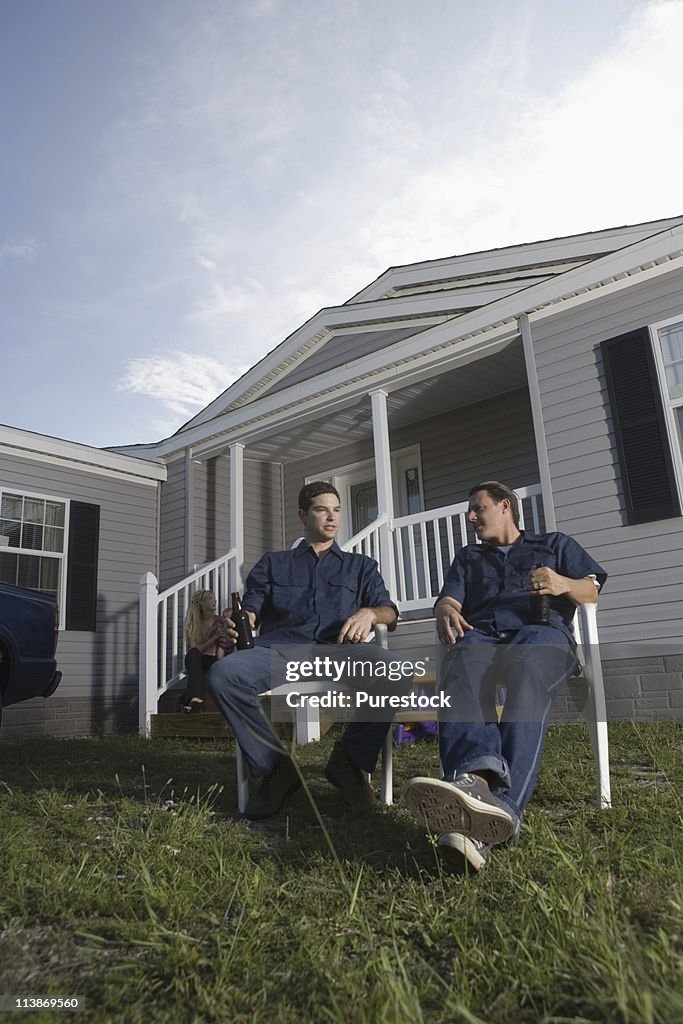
(314, 490)
(498, 491)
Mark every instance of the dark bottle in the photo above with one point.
(245, 639)
(539, 606)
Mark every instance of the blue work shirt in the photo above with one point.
(299, 598)
(493, 586)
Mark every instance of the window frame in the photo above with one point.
(669, 404)
(62, 556)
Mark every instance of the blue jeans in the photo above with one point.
(237, 680)
(531, 663)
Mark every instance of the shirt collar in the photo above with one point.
(525, 538)
(302, 549)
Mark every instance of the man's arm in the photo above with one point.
(546, 581)
(358, 625)
(450, 622)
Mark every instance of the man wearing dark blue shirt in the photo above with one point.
(312, 594)
(484, 615)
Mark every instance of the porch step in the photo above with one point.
(206, 725)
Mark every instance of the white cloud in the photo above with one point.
(182, 382)
(604, 151)
(22, 249)
(207, 264)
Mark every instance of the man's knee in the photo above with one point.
(241, 670)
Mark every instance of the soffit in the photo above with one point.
(475, 382)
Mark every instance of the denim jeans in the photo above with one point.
(531, 664)
(237, 680)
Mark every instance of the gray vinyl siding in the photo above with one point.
(172, 533)
(642, 599)
(263, 526)
(100, 670)
(211, 509)
(210, 516)
(490, 440)
(487, 440)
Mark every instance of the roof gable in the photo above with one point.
(409, 300)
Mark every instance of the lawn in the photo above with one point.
(129, 880)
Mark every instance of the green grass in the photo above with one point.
(128, 879)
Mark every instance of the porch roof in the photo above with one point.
(305, 435)
(450, 343)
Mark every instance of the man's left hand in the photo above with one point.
(546, 581)
(357, 627)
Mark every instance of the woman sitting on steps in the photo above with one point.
(207, 642)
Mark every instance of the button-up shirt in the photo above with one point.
(493, 586)
(300, 598)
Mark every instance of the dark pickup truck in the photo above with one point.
(28, 638)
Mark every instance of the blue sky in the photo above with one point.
(184, 184)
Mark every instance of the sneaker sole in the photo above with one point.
(445, 809)
(458, 854)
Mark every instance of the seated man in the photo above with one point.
(485, 615)
(312, 594)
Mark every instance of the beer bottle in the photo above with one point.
(245, 639)
(539, 606)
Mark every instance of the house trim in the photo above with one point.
(24, 444)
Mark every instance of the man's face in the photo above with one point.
(489, 518)
(321, 521)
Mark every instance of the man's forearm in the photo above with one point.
(385, 615)
(583, 591)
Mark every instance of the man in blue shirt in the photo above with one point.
(485, 616)
(312, 594)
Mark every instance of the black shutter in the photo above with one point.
(81, 580)
(639, 428)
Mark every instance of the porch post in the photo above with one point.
(189, 511)
(385, 493)
(537, 417)
(148, 656)
(236, 533)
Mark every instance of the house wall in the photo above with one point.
(486, 440)
(210, 514)
(99, 670)
(640, 618)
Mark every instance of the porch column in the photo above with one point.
(189, 511)
(385, 493)
(537, 417)
(236, 533)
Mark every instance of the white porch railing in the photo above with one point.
(162, 619)
(367, 541)
(424, 545)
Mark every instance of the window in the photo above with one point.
(668, 348)
(51, 545)
(640, 368)
(32, 533)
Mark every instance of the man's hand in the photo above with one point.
(357, 626)
(451, 624)
(230, 630)
(546, 581)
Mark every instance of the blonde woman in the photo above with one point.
(208, 640)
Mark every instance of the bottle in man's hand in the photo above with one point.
(539, 606)
(245, 639)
